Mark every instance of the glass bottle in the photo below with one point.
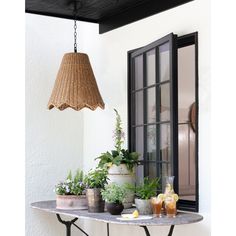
(170, 197)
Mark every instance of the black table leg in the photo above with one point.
(80, 229)
(171, 230)
(108, 231)
(68, 225)
(145, 229)
(148, 234)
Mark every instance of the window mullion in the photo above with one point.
(145, 114)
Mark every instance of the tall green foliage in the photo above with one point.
(119, 155)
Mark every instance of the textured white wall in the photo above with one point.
(48, 151)
(54, 139)
(111, 71)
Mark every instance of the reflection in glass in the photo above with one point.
(151, 142)
(139, 107)
(165, 142)
(139, 141)
(151, 105)
(165, 171)
(138, 67)
(151, 71)
(187, 145)
(164, 62)
(139, 174)
(164, 102)
(152, 170)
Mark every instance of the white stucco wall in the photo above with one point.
(54, 139)
(89, 133)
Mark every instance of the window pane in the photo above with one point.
(187, 139)
(138, 107)
(164, 62)
(151, 105)
(138, 68)
(164, 102)
(151, 71)
(151, 142)
(165, 152)
(139, 141)
(165, 171)
(139, 174)
(151, 170)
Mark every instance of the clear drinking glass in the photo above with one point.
(170, 206)
(156, 206)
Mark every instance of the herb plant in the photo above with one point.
(113, 193)
(147, 189)
(119, 155)
(96, 178)
(72, 185)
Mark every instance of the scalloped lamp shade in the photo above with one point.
(75, 85)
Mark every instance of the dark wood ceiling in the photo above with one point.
(110, 14)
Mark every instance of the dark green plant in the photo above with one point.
(72, 185)
(113, 193)
(119, 155)
(145, 190)
(96, 178)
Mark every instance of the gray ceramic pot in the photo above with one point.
(144, 207)
(94, 198)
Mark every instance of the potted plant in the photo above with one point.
(71, 192)
(143, 193)
(95, 181)
(120, 162)
(114, 194)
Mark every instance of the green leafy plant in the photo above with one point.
(96, 178)
(72, 185)
(113, 193)
(145, 190)
(119, 155)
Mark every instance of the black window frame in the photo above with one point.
(175, 43)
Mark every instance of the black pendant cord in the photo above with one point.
(75, 26)
(75, 36)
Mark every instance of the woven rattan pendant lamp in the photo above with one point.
(75, 85)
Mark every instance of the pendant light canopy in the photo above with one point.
(75, 85)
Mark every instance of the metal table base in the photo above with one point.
(68, 225)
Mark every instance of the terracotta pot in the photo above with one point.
(144, 207)
(95, 201)
(71, 202)
(114, 208)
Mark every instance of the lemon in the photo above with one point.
(109, 164)
(176, 197)
(135, 214)
(161, 196)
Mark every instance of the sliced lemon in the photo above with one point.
(135, 214)
(161, 196)
(176, 197)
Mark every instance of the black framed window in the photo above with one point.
(153, 110)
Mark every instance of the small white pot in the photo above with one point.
(144, 207)
(72, 202)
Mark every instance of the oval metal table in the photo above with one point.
(180, 219)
